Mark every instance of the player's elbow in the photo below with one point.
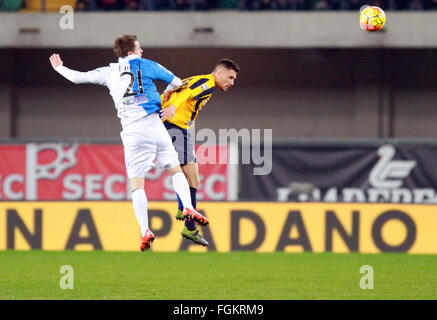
(177, 82)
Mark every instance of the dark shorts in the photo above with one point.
(182, 142)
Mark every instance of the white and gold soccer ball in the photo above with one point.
(372, 18)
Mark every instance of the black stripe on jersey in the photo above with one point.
(196, 108)
(204, 93)
(198, 83)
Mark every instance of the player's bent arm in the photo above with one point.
(97, 76)
(174, 84)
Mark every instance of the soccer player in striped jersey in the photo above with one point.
(131, 84)
(181, 107)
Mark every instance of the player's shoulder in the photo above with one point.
(148, 62)
(111, 66)
(203, 81)
(152, 64)
(143, 60)
(106, 69)
(202, 76)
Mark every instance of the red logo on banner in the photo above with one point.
(56, 171)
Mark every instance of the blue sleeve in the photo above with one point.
(160, 73)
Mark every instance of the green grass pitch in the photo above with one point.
(215, 276)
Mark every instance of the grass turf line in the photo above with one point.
(215, 276)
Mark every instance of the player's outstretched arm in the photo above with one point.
(97, 76)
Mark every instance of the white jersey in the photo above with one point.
(130, 83)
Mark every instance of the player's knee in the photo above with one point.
(193, 181)
(174, 169)
(191, 172)
(136, 183)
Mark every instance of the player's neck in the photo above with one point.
(214, 77)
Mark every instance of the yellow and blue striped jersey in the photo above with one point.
(189, 98)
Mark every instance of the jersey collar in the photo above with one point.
(129, 57)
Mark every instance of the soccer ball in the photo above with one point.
(372, 18)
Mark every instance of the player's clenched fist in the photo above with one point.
(55, 60)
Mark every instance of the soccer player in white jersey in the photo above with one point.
(130, 83)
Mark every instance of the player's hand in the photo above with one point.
(55, 60)
(168, 113)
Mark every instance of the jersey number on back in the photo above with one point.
(132, 80)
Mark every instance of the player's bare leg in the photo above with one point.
(191, 171)
(182, 189)
(139, 201)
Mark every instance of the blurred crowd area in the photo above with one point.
(203, 5)
(255, 4)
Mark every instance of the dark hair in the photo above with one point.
(229, 64)
(124, 44)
